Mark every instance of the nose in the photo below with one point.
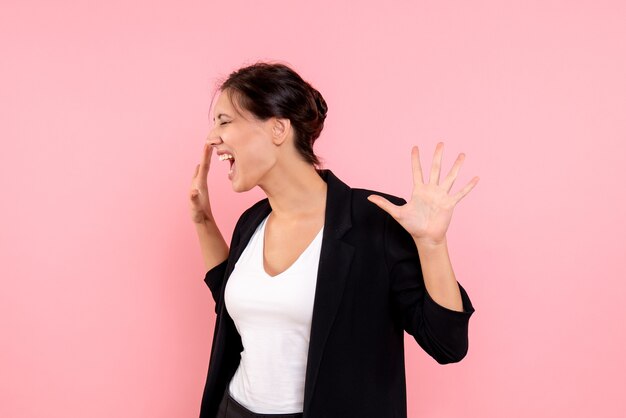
(213, 139)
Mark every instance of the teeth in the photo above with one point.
(226, 157)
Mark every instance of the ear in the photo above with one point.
(280, 130)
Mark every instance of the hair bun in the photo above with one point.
(322, 107)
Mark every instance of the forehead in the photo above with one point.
(225, 107)
(223, 101)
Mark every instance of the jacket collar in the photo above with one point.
(335, 258)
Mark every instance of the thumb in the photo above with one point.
(383, 203)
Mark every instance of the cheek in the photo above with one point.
(260, 160)
(259, 155)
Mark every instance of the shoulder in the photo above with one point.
(359, 195)
(355, 196)
(360, 202)
(366, 215)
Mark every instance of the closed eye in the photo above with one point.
(224, 123)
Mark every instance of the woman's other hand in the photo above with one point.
(199, 194)
(428, 213)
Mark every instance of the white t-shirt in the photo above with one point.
(273, 316)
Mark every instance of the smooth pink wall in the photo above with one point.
(103, 113)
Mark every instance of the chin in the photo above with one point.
(240, 185)
(239, 188)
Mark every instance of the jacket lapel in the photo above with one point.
(334, 265)
(333, 268)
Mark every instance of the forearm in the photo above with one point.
(212, 244)
(439, 278)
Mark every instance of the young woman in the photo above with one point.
(321, 280)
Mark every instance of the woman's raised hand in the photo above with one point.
(199, 194)
(428, 213)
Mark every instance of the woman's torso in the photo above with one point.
(272, 313)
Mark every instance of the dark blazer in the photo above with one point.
(369, 290)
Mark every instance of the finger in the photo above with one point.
(417, 167)
(436, 168)
(465, 190)
(384, 204)
(197, 169)
(206, 162)
(452, 175)
(206, 156)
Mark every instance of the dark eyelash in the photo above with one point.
(224, 123)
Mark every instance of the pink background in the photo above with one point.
(104, 111)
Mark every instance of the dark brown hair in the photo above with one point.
(275, 90)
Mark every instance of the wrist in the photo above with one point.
(204, 222)
(428, 243)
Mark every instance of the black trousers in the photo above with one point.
(230, 408)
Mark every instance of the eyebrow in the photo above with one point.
(220, 115)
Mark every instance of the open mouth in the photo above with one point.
(231, 160)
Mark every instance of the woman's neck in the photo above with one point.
(295, 192)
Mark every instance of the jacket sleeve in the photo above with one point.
(441, 332)
(214, 279)
(215, 276)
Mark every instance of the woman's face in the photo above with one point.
(247, 139)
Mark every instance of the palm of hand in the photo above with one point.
(427, 215)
